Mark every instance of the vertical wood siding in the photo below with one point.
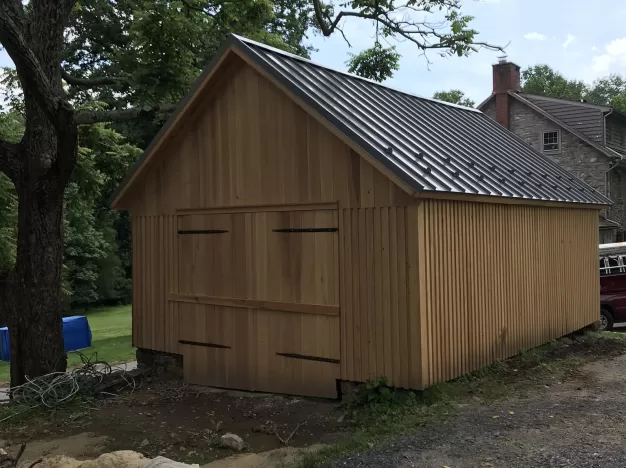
(380, 295)
(252, 145)
(259, 308)
(498, 279)
(155, 320)
(419, 294)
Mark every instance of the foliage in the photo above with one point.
(11, 129)
(545, 81)
(159, 47)
(609, 91)
(455, 96)
(373, 392)
(95, 270)
(431, 25)
(96, 265)
(377, 63)
(542, 80)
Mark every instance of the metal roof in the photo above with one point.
(585, 118)
(430, 145)
(608, 152)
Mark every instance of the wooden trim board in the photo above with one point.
(314, 309)
(258, 208)
(429, 195)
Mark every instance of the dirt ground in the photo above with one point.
(180, 422)
(578, 423)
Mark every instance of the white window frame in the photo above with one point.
(558, 138)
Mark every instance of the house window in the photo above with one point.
(551, 141)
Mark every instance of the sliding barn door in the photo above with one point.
(258, 297)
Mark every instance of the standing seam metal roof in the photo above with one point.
(430, 145)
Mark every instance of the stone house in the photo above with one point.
(587, 140)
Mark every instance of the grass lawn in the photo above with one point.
(111, 338)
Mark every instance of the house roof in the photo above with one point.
(431, 146)
(573, 124)
(606, 223)
(585, 118)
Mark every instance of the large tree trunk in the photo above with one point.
(33, 296)
(46, 160)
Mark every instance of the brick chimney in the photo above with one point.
(506, 77)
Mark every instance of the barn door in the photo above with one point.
(259, 300)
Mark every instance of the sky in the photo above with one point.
(581, 42)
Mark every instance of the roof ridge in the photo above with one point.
(247, 41)
(567, 101)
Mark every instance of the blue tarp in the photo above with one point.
(76, 335)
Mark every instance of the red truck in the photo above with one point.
(612, 284)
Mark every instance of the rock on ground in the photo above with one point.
(277, 458)
(121, 459)
(232, 441)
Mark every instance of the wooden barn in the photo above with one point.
(295, 226)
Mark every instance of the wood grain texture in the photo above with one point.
(252, 145)
(253, 304)
(263, 294)
(501, 278)
(417, 290)
(380, 295)
(155, 321)
(254, 338)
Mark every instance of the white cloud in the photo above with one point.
(570, 38)
(614, 53)
(594, 48)
(534, 36)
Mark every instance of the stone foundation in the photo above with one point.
(164, 364)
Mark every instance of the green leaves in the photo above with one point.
(545, 81)
(97, 265)
(431, 25)
(11, 129)
(377, 63)
(609, 91)
(455, 96)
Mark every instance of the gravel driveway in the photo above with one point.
(580, 423)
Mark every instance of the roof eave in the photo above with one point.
(485, 102)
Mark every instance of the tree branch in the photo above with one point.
(326, 26)
(91, 82)
(198, 8)
(92, 117)
(414, 31)
(12, 31)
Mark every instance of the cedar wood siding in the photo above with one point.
(251, 145)
(410, 289)
(497, 279)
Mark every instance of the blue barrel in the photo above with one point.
(76, 335)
